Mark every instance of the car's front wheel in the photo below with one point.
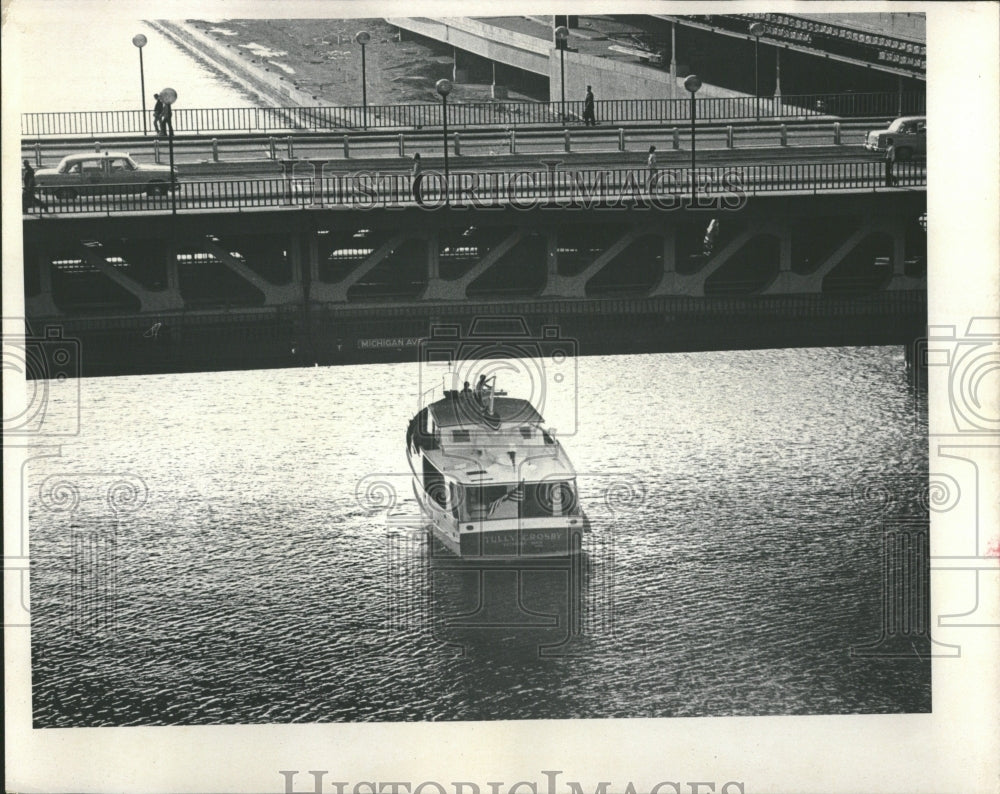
(65, 194)
(157, 189)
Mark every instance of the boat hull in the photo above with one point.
(504, 539)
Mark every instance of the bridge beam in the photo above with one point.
(454, 289)
(558, 286)
(274, 294)
(672, 282)
(899, 280)
(43, 304)
(337, 293)
(165, 300)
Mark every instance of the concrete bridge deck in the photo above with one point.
(221, 289)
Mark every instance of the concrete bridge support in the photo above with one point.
(455, 289)
(150, 300)
(337, 293)
(274, 294)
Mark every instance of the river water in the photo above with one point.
(243, 547)
(72, 60)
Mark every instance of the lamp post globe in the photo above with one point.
(140, 41)
(756, 30)
(691, 84)
(168, 96)
(362, 37)
(443, 87)
(562, 34)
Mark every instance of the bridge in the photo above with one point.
(316, 248)
(633, 56)
(231, 285)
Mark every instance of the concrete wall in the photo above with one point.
(503, 46)
(620, 80)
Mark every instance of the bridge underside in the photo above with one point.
(287, 288)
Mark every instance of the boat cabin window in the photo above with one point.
(524, 500)
(460, 435)
(525, 432)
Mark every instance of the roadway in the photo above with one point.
(262, 156)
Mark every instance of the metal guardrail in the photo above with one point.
(726, 186)
(474, 114)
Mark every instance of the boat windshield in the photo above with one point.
(520, 500)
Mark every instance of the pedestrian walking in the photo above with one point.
(651, 167)
(166, 121)
(158, 114)
(416, 177)
(890, 163)
(588, 108)
(28, 197)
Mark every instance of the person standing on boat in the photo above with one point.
(481, 391)
(466, 391)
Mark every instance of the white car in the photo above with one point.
(908, 134)
(98, 173)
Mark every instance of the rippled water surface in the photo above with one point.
(216, 548)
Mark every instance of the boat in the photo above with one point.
(490, 479)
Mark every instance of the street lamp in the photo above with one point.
(168, 96)
(756, 30)
(140, 41)
(363, 37)
(692, 83)
(444, 87)
(562, 34)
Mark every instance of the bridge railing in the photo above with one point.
(723, 187)
(471, 114)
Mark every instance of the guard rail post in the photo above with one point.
(271, 147)
(458, 145)
(402, 146)
(566, 139)
(784, 135)
(156, 150)
(38, 154)
(676, 136)
(290, 155)
(621, 139)
(836, 133)
(97, 146)
(729, 136)
(513, 141)
(215, 150)
(347, 148)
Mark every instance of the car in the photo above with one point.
(98, 173)
(907, 133)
